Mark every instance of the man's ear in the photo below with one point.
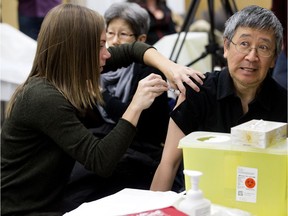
(226, 47)
(142, 38)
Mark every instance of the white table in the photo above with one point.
(131, 201)
(193, 47)
(17, 53)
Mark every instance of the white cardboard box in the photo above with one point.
(259, 133)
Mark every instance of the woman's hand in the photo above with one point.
(180, 74)
(176, 74)
(148, 89)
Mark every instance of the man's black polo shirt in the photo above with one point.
(217, 108)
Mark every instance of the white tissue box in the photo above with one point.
(259, 133)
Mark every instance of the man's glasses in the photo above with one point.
(244, 47)
(120, 35)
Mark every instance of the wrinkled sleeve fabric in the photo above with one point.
(125, 54)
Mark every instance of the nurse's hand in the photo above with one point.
(148, 89)
(180, 74)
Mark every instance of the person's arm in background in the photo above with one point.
(171, 157)
(176, 74)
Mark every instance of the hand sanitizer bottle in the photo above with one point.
(194, 204)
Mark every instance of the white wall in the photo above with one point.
(101, 5)
(177, 6)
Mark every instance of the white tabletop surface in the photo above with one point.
(131, 201)
(127, 201)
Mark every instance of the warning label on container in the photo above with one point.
(246, 188)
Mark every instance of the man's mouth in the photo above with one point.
(248, 69)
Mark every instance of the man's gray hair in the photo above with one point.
(136, 16)
(255, 17)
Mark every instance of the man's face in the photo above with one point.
(250, 69)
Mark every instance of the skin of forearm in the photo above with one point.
(132, 114)
(162, 181)
(155, 59)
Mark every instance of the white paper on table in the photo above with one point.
(127, 201)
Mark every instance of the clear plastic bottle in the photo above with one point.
(194, 204)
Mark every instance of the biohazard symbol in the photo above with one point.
(250, 183)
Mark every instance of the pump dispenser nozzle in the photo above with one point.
(194, 204)
(194, 178)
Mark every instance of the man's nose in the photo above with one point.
(253, 54)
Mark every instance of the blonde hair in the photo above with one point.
(67, 55)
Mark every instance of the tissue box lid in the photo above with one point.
(259, 133)
(260, 126)
(222, 141)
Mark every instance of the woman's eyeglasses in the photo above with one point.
(120, 35)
